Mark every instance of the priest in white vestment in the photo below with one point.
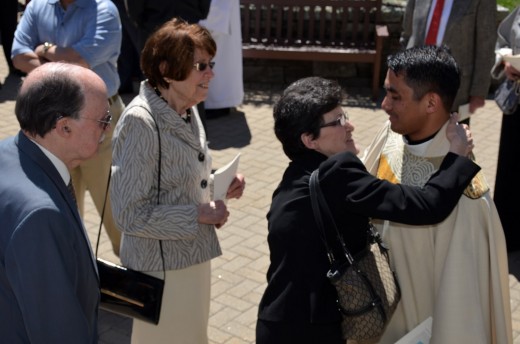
(455, 271)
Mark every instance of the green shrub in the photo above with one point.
(509, 4)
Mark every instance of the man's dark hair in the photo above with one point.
(428, 69)
(300, 110)
(57, 94)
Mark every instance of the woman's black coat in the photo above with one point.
(298, 290)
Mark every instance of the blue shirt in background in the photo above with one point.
(91, 27)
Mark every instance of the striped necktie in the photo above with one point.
(70, 186)
(431, 38)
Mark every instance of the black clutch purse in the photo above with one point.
(130, 293)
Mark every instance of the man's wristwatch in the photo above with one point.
(47, 46)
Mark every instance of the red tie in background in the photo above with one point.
(431, 38)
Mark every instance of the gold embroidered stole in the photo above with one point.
(398, 164)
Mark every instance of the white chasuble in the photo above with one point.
(455, 271)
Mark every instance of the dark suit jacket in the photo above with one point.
(471, 36)
(297, 288)
(49, 290)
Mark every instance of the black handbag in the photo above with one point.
(507, 96)
(367, 289)
(129, 292)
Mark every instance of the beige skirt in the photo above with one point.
(184, 310)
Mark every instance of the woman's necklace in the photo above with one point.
(186, 116)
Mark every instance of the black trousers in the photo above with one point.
(8, 22)
(507, 185)
(273, 332)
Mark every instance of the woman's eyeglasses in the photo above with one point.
(342, 120)
(201, 66)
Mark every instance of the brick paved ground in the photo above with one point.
(238, 278)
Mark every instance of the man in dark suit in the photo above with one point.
(88, 33)
(468, 28)
(49, 289)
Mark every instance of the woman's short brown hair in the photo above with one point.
(169, 51)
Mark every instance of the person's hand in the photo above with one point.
(511, 72)
(459, 135)
(236, 188)
(213, 213)
(40, 52)
(476, 103)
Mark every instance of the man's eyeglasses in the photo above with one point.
(104, 122)
(342, 120)
(201, 66)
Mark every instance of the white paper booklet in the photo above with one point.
(419, 335)
(464, 112)
(514, 60)
(223, 177)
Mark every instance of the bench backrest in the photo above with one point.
(324, 23)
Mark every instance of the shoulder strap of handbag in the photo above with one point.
(158, 191)
(318, 203)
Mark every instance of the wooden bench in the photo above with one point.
(346, 31)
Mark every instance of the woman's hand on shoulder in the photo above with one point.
(213, 213)
(236, 188)
(459, 135)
